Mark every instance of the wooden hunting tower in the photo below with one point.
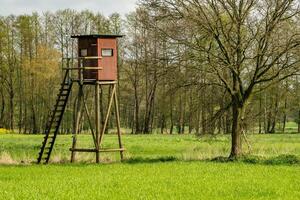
(103, 47)
(96, 65)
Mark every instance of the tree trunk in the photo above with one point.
(198, 116)
(149, 110)
(11, 114)
(284, 116)
(136, 110)
(162, 124)
(299, 121)
(236, 144)
(171, 114)
(34, 121)
(260, 118)
(2, 108)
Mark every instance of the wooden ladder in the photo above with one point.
(55, 119)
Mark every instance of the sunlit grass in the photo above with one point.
(170, 180)
(155, 167)
(183, 147)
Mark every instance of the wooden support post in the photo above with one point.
(107, 114)
(99, 131)
(97, 120)
(77, 120)
(90, 122)
(118, 122)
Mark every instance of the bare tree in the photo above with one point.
(242, 44)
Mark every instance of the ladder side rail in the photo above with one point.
(47, 132)
(57, 101)
(58, 124)
(50, 123)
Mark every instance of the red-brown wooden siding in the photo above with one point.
(109, 64)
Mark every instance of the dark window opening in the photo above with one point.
(83, 52)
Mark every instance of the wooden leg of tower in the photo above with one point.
(90, 122)
(97, 121)
(107, 114)
(77, 121)
(118, 122)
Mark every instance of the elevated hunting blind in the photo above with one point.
(103, 47)
(96, 65)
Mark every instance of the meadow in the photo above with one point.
(155, 167)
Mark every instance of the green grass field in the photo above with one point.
(156, 167)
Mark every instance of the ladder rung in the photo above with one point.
(56, 116)
(62, 95)
(60, 104)
(61, 100)
(54, 127)
(46, 153)
(65, 83)
(54, 120)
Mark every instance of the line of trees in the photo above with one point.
(185, 66)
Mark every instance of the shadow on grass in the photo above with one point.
(278, 160)
(137, 160)
(247, 159)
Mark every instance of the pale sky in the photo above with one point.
(105, 7)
